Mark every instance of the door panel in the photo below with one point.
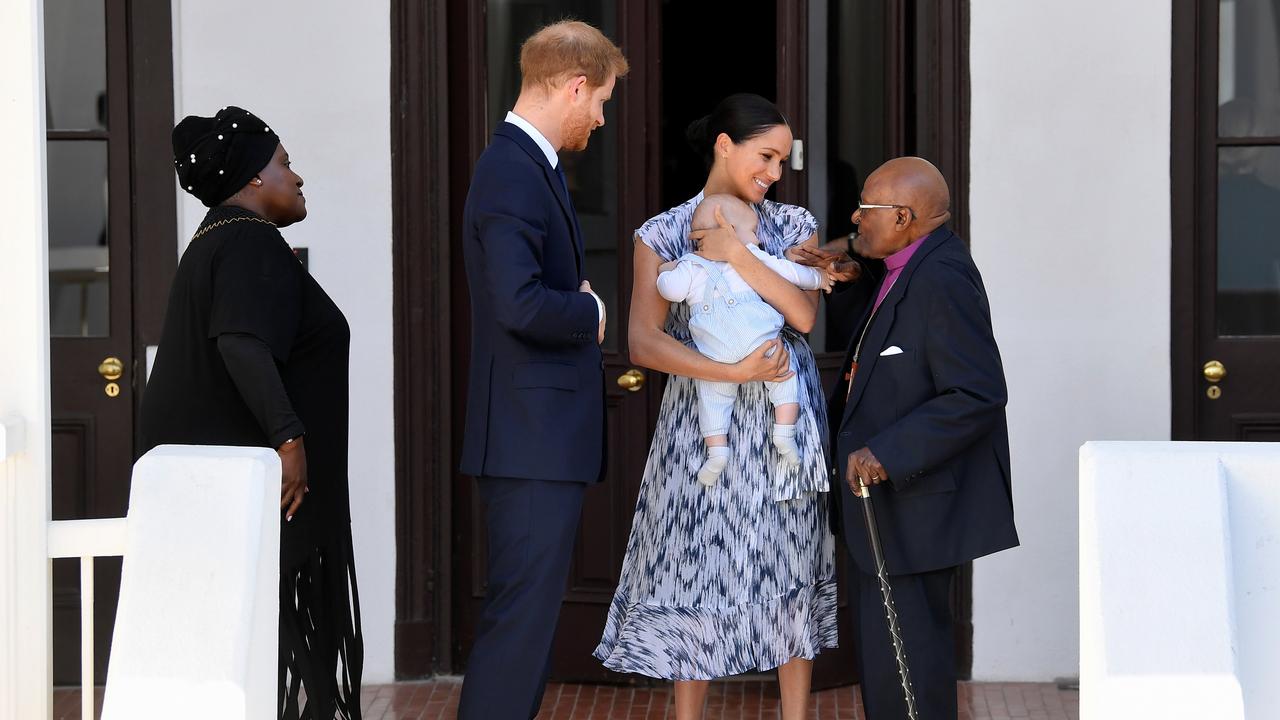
(1231, 387)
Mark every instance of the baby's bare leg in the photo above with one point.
(787, 413)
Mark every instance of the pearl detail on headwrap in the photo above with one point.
(214, 159)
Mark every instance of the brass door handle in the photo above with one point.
(1214, 371)
(631, 380)
(111, 369)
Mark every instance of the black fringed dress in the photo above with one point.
(239, 281)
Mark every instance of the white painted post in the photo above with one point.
(25, 610)
(199, 595)
(1178, 562)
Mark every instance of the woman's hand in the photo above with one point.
(769, 362)
(721, 243)
(293, 475)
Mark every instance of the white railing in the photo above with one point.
(86, 540)
(220, 564)
(1179, 580)
(235, 543)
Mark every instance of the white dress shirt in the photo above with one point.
(545, 146)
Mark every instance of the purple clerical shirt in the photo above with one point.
(894, 264)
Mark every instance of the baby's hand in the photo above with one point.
(828, 279)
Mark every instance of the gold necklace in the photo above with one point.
(200, 233)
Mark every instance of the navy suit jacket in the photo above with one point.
(535, 397)
(934, 417)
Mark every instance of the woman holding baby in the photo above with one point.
(730, 566)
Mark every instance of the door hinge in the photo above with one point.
(797, 155)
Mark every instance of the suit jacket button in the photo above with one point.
(844, 434)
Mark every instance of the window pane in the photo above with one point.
(1248, 68)
(1248, 241)
(592, 175)
(78, 257)
(75, 64)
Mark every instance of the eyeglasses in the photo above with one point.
(865, 206)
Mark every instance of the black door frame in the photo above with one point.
(422, 309)
(1187, 86)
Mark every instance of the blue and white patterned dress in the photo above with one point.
(724, 580)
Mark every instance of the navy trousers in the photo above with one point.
(924, 616)
(532, 528)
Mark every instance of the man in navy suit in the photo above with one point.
(534, 436)
(919, 422)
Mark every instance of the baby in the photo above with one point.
(728, 320)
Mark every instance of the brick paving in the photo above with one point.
(727, 700)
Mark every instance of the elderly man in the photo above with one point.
(918, 421)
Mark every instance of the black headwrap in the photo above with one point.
(216, 156)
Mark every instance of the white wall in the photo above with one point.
(320, 74)
(1069, 205)
(24, 385)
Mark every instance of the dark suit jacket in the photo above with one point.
(535, 398)
(934, 417)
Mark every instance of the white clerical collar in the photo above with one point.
(538, 137)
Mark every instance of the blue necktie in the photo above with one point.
(564, 182)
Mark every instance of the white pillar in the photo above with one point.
(25, 670)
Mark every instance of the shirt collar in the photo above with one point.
(899, 260)
(538, 138)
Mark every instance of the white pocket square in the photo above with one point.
(891, 350)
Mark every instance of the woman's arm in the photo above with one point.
(650, 346)
(798, 307)
(253, 370)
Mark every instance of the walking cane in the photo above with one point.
(890, 610)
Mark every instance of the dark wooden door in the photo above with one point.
(1226, 215)
(90, 297)
(112, 251)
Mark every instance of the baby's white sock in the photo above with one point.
(717, 459)
(784, 438)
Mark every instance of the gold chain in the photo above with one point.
(200, 233)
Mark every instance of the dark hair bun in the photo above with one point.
(699, 134)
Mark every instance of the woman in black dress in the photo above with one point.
(254, 353)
